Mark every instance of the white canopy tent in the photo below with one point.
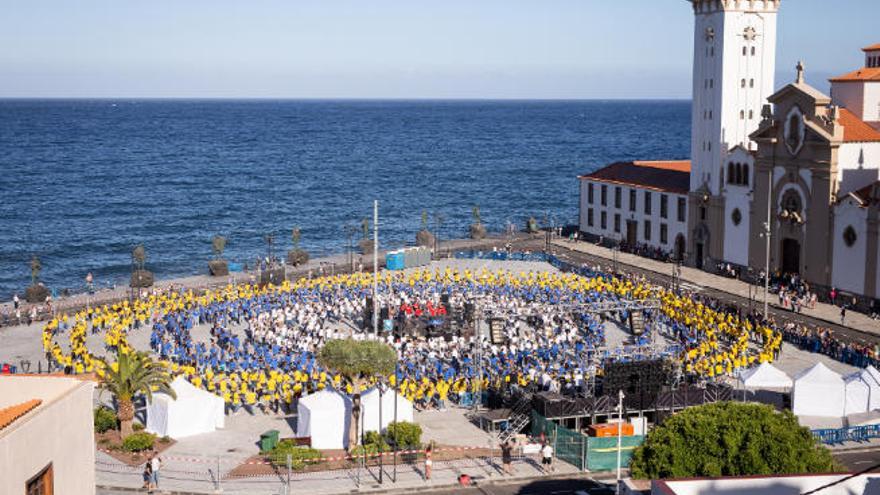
(818, 391)
(765, 375)
(194, 411)
(324, 416)
(370, 409)
(862, 391)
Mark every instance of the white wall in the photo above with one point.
(859, 97)
(60, 431)
(872, 102)
(736, 237)
(673, 226)
(848, 269)
(781, 485)
(849, 95)
(848, 160)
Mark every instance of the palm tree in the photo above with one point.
(132, 374)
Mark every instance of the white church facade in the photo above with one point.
(823, 202)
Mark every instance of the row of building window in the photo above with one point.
(742, 114)
(738, 174)
(746, 51)
(707, 145)
(742, 83)
(646, 226)
(633, 195)
(873, 62)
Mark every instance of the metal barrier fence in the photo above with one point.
(831, 436)
(569, 445)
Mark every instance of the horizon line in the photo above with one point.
(331, 98)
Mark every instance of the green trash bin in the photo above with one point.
(268, 440)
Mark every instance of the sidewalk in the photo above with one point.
(823, 311)
(200, 478)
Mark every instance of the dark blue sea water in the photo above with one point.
(84, 181)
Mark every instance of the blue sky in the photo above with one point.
(391, 48)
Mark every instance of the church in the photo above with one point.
(794, 166)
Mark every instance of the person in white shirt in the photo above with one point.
(547, 458)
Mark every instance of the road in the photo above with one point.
(574, 486)
(859, 461)
(845, 334)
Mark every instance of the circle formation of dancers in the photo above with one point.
(257, 346)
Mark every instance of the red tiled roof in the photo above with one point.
(871, 48)
(855, 129)
(667, 176)
(9, 414)
(863, 74)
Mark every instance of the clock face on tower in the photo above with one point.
(710, 34)
(750, 34)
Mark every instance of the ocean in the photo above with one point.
(84, 181)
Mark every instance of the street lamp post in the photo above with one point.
(767, 240)
(620, 397)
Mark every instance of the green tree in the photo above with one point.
(132, 374)
(357, 362)
(730, 439)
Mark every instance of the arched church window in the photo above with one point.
(745, 176)
(849, 236)
(753, 51)
(738, 176)
(730, 177)
(742, 83)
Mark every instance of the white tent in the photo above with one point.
(765, 376)
(818, 391)
(194, 411)
(370, 408)
(862, 391)
(324, 416)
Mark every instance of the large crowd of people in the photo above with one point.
(262, 344)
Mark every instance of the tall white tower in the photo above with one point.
(734, 65)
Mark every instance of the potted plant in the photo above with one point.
(366, 243)
(37, 292)
(425, 238)
(140, 276)
(297, 256)
(218, 266)
(478, 230)
(532, 225)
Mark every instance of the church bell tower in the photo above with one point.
(734, 65)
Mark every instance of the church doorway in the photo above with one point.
(791, 256)
(679, 248)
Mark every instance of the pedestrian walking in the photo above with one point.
(429, 461)
(547, 458)
(842, 314)
(507, 457)
(16, 302)
(155, 465)
(148, 477)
